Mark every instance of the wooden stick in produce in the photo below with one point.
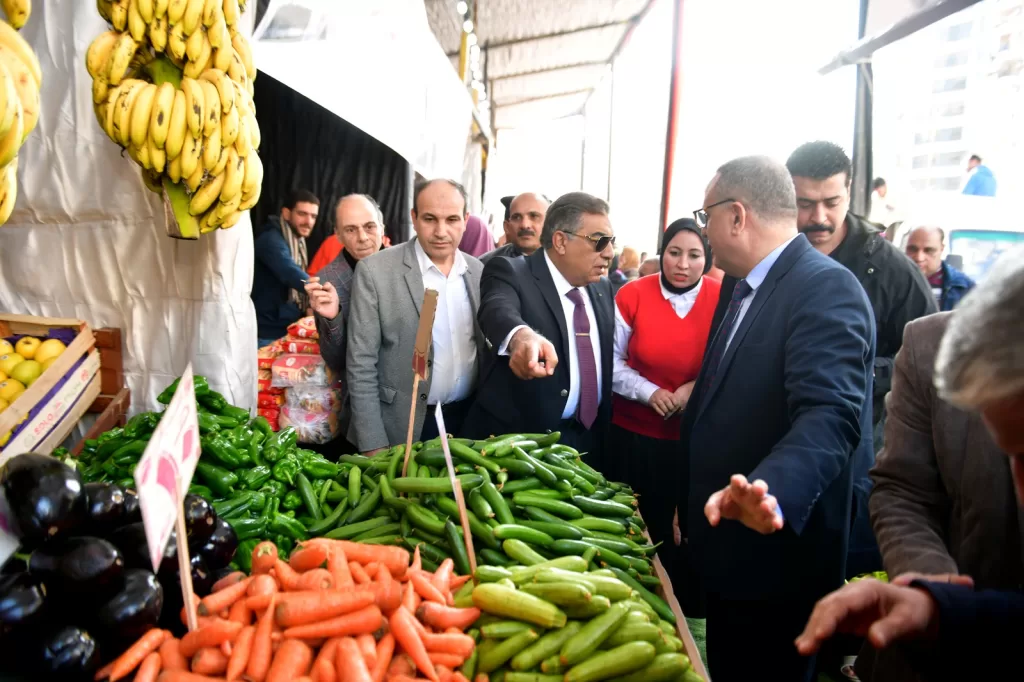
(456, 488)
(412, 423)
(420, 368)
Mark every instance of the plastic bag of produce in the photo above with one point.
(311, 427)
(299, 368)
(294, 344)
(269, 400)
(272, 415)
(264, 383)
(266, 355)
(304, 328)
(317, 399)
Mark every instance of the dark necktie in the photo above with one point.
(586, 412)
(714, 357)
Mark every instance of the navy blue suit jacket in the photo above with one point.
(790, 404)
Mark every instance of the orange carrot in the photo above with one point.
(104, 672)
(228, 580)
(292, 660)
(308, 557)
(170, 655)
(350, 663)
(460, 645)
(149, 669)
(324, 671)
(337, 564)
(301, 608)
(368, 647)
(183, 614)
(209, 636)
(216, 601)
(226, 648)
(442, 577)
(134, 655)
(425, 589)
(359, 574)
(264, 556)
(315, 579)
(324, 661)
(404, 678)
(388, 592)
(368, 619)
(209, 661)
(482, 677)
(409, 597)
(395, 558)
(408, 638)
(286, 575)
(240, 612)
(459, 677)
(262, 646)
(240, 653)
(459, 580)
(327, 651)
(441, 617)
(444, 673)
(417, 560)
(186, 676)
(401, 665)
(385, 650)
(371, 568)
(447, 660)
(304, 678)
(260, 602)
(261, 584)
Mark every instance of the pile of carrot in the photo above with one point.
(336, 611)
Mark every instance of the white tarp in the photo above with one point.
(87, 238)
(378, 66)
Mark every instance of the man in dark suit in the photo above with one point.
(549, 319)
(779, 419)
(978, 368)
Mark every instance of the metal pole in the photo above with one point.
(611, 128)
(675, 82)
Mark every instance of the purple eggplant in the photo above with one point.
(219, 550)
(65, 654)
(133, 610)
(200, 520)
(85, 567)
(22, 600)
(132, 510)
(104, 507)
(44, 496)
(130, 540)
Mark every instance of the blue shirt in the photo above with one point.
(755, 279)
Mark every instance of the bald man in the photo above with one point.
(925, 246)
(651, 266)
(522, 228)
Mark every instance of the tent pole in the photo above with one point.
(675, 85)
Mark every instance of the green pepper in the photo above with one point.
(207, 424)
(201, 491)
(199, 383)
(261, 424)
(214, 402)
(126, 482)
(248, 528)
(255, 453)
(258, 500)
(236, 413)
(111, 468)
(239, 437)
(218, 447)
(285, 545)
(254, 478)
(243, 555)
(286, 469)
(91, 445)
(140, 426)
(292, 500)
(291, 528)
(220, 480)
(315, 466)
(229, 507)
(128, 455)
(60, 452)
(274, 488)
(112, 434)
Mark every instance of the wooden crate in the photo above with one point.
(669, 596)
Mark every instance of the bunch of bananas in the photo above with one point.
(20, 78)
(172, 84)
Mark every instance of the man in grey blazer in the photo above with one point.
(387, 295)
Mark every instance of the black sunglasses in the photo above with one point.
(701, 214)
(600, 242)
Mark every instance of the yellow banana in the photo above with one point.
(222, 209)
(222, 162)
(244, 50)
(142, 112)
(119, 14)
(174, 169)
(11, 142)
(190, 156)
(234, 173)
(207, 193)
(253, 179)
(157, 157)
(28, 90)
(225, 90)
(176, 45)
(97, 57)
(205, 227)
(212, 10)
(254, 134)
(141, 156)
(123, 116)
(160, 8)
(193, 180)
(219, 34)
(176, 10)
(232, 12)
(108, 109)
(145, 9)
(195, 67)
(104, 7)
(211, 98)
(231, 220)
(236, 70)
(250, 89)
(160, 118)
(212, 150)
(8, 97)
(177, 129)
(8, 190)
(17, 11)
(192, 16)
(229, 128)
(158, 35)
(100, 90)
(222, 58)
(136, 24)
(243, 142)
(194, 45)
(121, 57)
(195, 106)
(22, 50)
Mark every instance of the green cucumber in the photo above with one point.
(618, 546)
(513, 676)
(497, 502)
(477, 527)
(569, 563)
(619, 661)
(479, 504)
(655, 602)
(492, 659)
(493, 557)
(471, 456)
(388, 529)
(595, 607)
(507, 531)
(545, 647)
(516, 467)
(604, 508)
(559, 594)
(555, 530)
(421, 517)
(491, 574)
(530, 483)
(353, 529)
(522, 552)
(501, 601)
(591, 635)
(664, 668)
(613, 588)
(457, 544)
(422, 485)
(504, 629)
(632, 632)
(556, 507)
(557, 575)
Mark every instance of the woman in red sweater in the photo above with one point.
(661, 328)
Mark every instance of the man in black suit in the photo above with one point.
(549, 320)
(778, 421)
(979, 368)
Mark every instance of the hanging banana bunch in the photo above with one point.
(20, 78)
(172, 84)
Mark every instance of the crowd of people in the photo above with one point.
(777, 384)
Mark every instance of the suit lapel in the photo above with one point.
(413, 276)
(546, 284)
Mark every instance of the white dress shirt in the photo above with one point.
(626, 381)
(453, 373)
(563, 287)
(755, 279)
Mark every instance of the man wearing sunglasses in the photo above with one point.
(549, 320)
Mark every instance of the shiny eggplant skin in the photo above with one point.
(22, 601)
(133, 610)
(88, 567)
(132, 511)
(66, 654)
(130, 540)
(104, 507)
(202, 577)
(44, 496)
(200, 520)
(220, 548)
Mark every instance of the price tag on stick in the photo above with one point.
(457, 489)
(420, 370)
(163, 476)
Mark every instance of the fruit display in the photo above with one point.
(173, 84)
(80, 588)
(20, 80)
(21, 363)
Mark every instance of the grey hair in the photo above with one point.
(373, 202)
(760, 183)
(565, 214)
(981, 357)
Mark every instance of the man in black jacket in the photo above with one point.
(524, 219)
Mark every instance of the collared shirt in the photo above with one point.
(563, 287)
(755, 279)
(626, 381)
(453, 374)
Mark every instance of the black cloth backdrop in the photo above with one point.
(305, 146)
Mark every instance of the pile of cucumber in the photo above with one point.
(529, 499)
(554, 621)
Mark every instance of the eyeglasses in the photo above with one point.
(701, 214)
(599, 241)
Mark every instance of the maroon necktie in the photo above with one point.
(586, 412)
